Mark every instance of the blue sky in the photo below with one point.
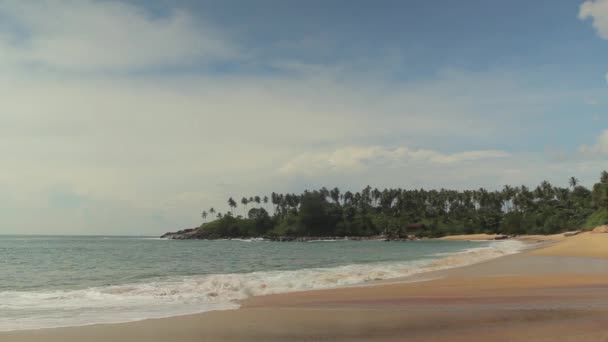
(423, 36)
(130, 117)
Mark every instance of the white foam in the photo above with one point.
(194, 294)
(327, 240)
(250, 240)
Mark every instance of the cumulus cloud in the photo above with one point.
(87, 35)
(354, 158)
(118, 153)
(151, 153)
(600, 148)
(597, 11)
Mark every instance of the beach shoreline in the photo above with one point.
(510, 288)
(363, 264)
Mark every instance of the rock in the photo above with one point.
(568, 234)
(185, 234)
(600, 229)
(501, 237)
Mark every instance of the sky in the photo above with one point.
(131, 117)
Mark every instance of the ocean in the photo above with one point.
(68, 281)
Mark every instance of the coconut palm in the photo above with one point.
(244, 202)
(232, 204)
(573, 182)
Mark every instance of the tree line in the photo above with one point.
(546, 209)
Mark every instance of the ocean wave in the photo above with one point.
(194, 294)
(251, 240)
(327, 240)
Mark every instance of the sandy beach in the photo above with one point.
(558, 292)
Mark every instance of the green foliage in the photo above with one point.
(287, 226)
(598, 218)
(512, 210)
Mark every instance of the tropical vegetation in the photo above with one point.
(546, 209)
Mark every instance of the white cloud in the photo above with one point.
(164, 148)
(488, 169)
(600, 148)
(597, 10)
(355, 158)
(87, 35)
(146, 154)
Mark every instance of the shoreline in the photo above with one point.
(392, 297)
(472, 255)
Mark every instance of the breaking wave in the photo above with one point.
(195, 294)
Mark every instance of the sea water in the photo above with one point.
(69, 281)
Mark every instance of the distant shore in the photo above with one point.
(554, 293)
(485, 237)
(188, 234)
(185, 235)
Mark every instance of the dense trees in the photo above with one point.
(545, 209)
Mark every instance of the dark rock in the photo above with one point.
(185, 234)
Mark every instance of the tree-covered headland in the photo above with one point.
(546, 209)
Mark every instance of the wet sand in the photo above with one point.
(556, 293)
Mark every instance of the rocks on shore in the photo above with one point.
(196, 234)
(185, 234)
(600, 229)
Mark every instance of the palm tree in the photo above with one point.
(573, 182)
(376, 196)
(334, 194)
(265, 200)
(244, 201)
(511, 209)
(232, 204)
(275, 201)
(348, 197)
(508, 194)
(604, 177)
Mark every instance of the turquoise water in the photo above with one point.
(64, 281)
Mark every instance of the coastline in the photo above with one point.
(540, 284)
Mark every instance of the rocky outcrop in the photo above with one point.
(198, 234)
(600, 229)
(185, 234)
